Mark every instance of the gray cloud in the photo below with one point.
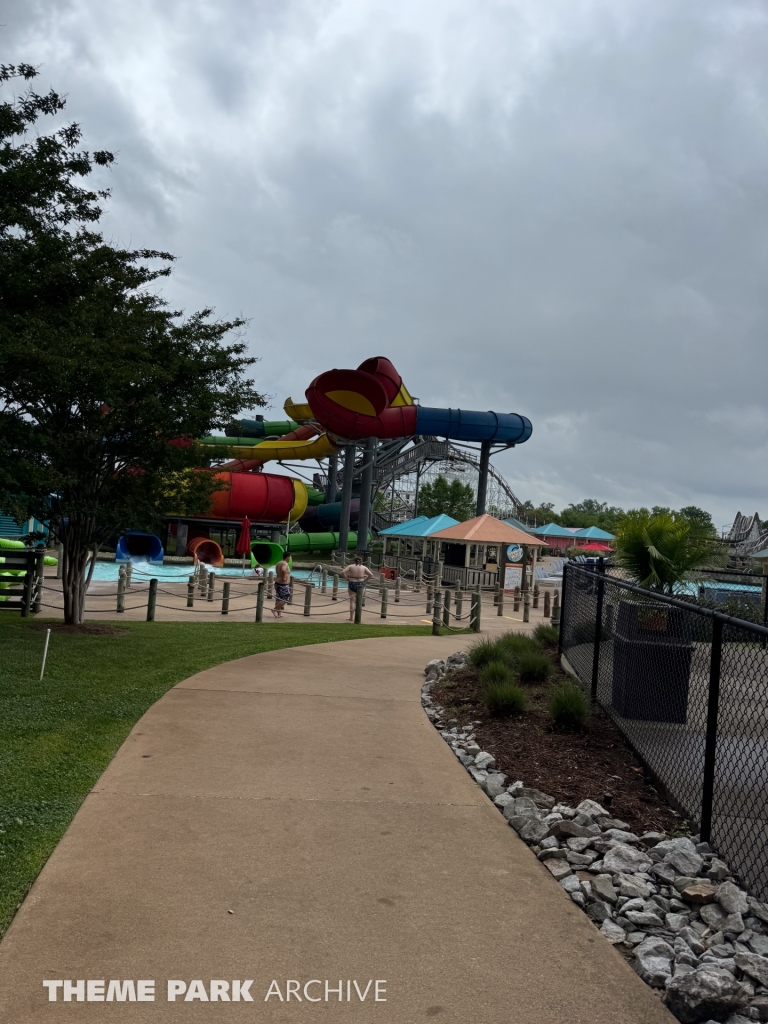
(553, 209)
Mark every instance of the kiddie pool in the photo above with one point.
(143, 572)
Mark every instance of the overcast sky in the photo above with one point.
(551, 207)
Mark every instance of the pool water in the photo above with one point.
(107, 572)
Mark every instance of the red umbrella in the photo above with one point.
(595, 547)
(243, 546)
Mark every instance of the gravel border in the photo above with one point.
(669, 904)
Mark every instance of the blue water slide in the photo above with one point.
(468, 425)
(137, 546)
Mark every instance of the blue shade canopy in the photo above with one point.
(398, 528)
(420, 527)
(553, 530)
(594, 533)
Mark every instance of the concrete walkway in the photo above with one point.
(294, 816)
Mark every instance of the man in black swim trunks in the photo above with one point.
(282, 587)
(356, 576)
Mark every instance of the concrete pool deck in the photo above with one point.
(294, 815)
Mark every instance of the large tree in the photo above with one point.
(102, 385)
(454, 499)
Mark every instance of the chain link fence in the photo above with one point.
(687, 686)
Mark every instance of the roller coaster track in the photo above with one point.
(393, 464)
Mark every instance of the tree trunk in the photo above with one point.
(77, 539)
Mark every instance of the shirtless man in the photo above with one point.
(356, 576)
(282, 587)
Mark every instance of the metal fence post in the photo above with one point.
(436, 614)
(225, 598)
(191, 592)
(151, 600)
(359, 606)
(598, 637)
(710, 744)
(307, 599)
(260, 601)
(557, 611)
(384, 598)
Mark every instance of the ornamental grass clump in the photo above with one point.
(496, 672)
(517, 644)
(549, 636)
(504, 699)
(482, 652)
(533, 666)
(569, 707)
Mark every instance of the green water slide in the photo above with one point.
(268, 553)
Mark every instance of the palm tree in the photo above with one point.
(659, 550)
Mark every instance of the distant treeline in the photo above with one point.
(599, 513)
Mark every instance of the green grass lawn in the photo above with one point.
(58, 736)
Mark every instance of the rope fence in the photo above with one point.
(203, 592)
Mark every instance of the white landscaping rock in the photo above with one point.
(626, 860)
(593, 809)
(613, 932)
(708, 991)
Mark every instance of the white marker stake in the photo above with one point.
(45, 652)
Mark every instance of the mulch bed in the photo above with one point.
(89, 628)
(595, 763)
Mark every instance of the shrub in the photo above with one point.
(504, 699)
(486, 651)
(548, 635)
(569, 707)
(496, 672)
(515, 644)
(533, 666)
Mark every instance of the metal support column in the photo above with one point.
(346, 496)
(366, 485)
(482, 482)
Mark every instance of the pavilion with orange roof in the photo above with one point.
(471, 552)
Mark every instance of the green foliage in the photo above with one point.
(57, 736)
(496, 672)
(568, 706)
(590, 512)
(441, 498)
(504, 699)
(533, 666)
(97, 375)
(547, 635)
(483, 652)
(517, 643)
(658, 550)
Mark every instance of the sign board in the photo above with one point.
(513, 577)
(514, 553)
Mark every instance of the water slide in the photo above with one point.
(137, 546)
(342, 405)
